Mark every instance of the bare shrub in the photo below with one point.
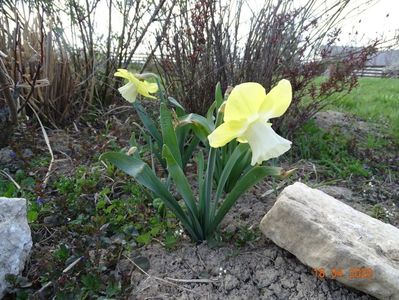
(59, 63)
(205, 45)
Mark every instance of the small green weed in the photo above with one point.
(8, 189)
(91, 285)
(374, 142)
(27, 190)
(378, 212)
(62, 253)
(84, 181)
(39, 162)
(241, 235)
(245, 235)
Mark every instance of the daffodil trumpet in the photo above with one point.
(247, 112)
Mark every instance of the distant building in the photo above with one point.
(381, 58)
(382, 64)
(385, 58)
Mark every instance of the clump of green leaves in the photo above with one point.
(134, 216)
(27, 185)
(378, 212)
(84, 181)
(7, 188)
(94, 226)
(200, 216)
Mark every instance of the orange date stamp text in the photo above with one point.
(338, 272)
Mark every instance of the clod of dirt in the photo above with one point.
(346, 123)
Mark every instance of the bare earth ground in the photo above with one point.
(245, 266)
(259, 270)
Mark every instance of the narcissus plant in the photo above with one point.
(135, 86)
(247, 112)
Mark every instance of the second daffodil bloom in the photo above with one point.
(135, 86)
(246, 118)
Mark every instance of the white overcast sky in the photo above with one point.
(381, 19)
(370, 22)
(371, 19)
(378, 20)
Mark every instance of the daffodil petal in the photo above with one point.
(277, 100)
(144, 88)
(123, 73)
(127, 75)
(241, 139)
(129, 91)
(265, 143)
(244, 101)
(135, 86)
(225, 133)
(151, 87)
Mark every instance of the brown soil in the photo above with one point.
(259, 270)
(246, 265)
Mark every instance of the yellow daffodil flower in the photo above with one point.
(135, 86)
(246, 115)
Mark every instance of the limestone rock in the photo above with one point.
(328, 235)
(337, 192)
(15, 238)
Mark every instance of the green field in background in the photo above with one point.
(375, 100)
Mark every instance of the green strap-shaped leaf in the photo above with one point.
(232, 161)
(210, 113)
(252, 177)
(214, 108)
(132, 140)
(169, 134)
(133, 143)
(201, 185)
(218, 95)
(183, 187)
(188, 150)
(200, 171)
(180, 111)
(238, 170)
(148, 123)
(205, 201)
(154, 150)
(181, 134)
(145, 176)
(201, 126)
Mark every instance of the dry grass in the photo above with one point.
(62, 76)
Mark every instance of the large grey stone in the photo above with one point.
(337, 192)
(15, 238)
(323, 232)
